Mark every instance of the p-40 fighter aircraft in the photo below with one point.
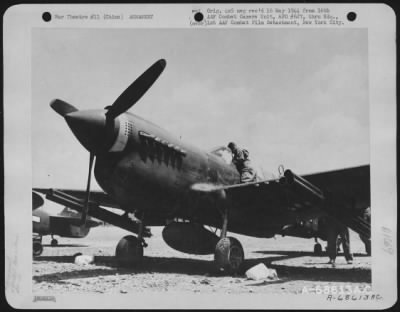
(67, 223)
(159, 180)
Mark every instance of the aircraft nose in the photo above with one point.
(89, 127)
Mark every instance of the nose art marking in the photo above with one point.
(122, 138)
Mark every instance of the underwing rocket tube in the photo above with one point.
(292, 178)
(349, 217)
(96, 212)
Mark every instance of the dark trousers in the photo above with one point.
(367, 243)
(333, 232)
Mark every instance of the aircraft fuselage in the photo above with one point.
(148, 169)
(46, 223)
(151, 161)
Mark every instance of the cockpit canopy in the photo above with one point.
(226, 155)
(223, 152)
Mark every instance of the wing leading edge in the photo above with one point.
(343, 194)
(98, 197)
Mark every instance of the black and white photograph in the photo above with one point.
(223, 162)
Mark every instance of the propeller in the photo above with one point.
(131, 95)
(62, 108)
(136, 90)
(86, 207)
(125, 101)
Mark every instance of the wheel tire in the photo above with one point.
(317, 249)
(129, 251)
(229, 255)
(37, 249)
(54, 242)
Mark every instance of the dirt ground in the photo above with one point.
(164, 269)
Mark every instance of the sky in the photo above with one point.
(297, 97)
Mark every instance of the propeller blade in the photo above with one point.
(37, 201)
(136, 90)
(62, 108)
(86, 206)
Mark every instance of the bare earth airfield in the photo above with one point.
(165, 269)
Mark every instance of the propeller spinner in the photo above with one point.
(95, 129)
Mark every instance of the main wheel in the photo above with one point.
(37, 249)
(318, 249)
(129, 251)
(54, 242)
(229, 255)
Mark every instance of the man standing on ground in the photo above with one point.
(335, 229)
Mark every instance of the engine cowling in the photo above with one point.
(190, 238)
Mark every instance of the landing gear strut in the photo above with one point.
(317, 248)
(37, 246)
(53, 242)
(229, 254)
(129, 251)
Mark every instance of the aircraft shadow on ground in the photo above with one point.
(149, 264)
(61, 277)
(307, 271)
(64, 245)
(206, 267)
(304, 253)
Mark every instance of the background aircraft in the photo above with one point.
(65, 224)
(158, 179)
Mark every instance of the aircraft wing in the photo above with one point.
(97, 197)
(75, 199)
(343, 193)
(348, 183)
(346, 189)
